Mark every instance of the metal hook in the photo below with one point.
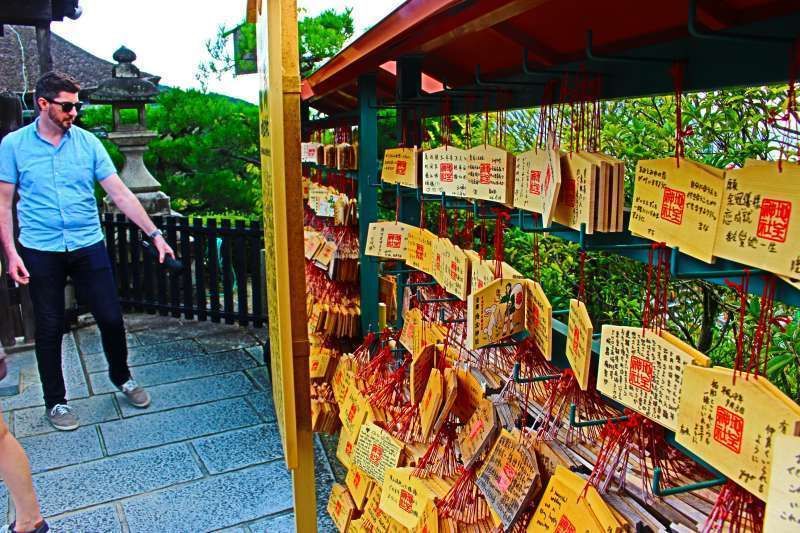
(516, 379)
(696, 32)
(586, 423)
(487, 83)
(620, 59)
(691, 487)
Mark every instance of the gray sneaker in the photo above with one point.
(135, 394)
(62, 417)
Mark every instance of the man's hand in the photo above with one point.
(163, 248)
(17, 270)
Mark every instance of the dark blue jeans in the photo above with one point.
(90, 270)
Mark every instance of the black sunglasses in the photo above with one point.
(66, 107)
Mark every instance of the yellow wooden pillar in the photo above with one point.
(279, 103)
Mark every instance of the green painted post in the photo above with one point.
(409, 84)
(367, 198)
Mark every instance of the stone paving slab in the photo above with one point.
(64, 448)
(141, 321)
(3, 502)
(190, 392)
(33, 421)
(147, 354)
(276, 524)
(179, 424)
(237, 449)
(98, 520)
(223, 342)
(260, 376)
(90, 341)
(179, 369)
(263, 404)
(213, 503)
(169, 332)
(112, 478)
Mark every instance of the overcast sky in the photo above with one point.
(169, 36)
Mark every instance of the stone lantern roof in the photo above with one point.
(126, 85)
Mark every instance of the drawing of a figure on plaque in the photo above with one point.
(495, 312)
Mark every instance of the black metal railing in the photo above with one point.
(222, 278)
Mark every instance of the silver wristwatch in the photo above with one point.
(155, 233)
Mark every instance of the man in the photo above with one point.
(53, 165)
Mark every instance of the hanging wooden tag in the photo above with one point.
(405, 497)
(432, 401)
(421, 367)
(470, 393)
(444, 170)
(450, 394)
(642, 371)
(312, 242)
(345, 447)
(419, 251)
(537, 179)
(387, 239)
(376, 451)
(319, 362)
(733, 427)
(478, 433)
(760, 219)
(579, 342)
(441, 251)
(551, 454)
(340, 506)
(495, 312)
(360, 485)
(783, 499)
(353, 410)
(400, 166)
(490, 174)
(539, 318)
(456, 272)
(678, 205)
(418, 334)
(308, 152)
(374, 520)
(576, 196)
(509, 477)
(343, 377)
(329, 155)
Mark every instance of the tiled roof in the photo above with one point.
(88, 69)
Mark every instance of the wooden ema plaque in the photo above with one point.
(376, 451)
(387, 239)
(783, 499)
(421, 366)
(407, 499)
(539, 318)
(537, 180)
(563, 510)
(400, 166)
(509, 478)
(760, 219)
(470, 393)
(359, 485)
(319, 362)
(417, 334)
(309, 152)
(343, 377)
(490, 174)
(478, 433)
(643, 371)
(579, 342)
(432, 401)
(374, 520)
(345, 447)
(353, 411)
(453, 269)
(678, 205)
(450, 396)
(609, 199)
(441, 248)
(495, 312)
(444, 170)
(340, 506)
(576, 196)
(734, 427)
(419, 251)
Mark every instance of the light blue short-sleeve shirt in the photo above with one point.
(57, 209)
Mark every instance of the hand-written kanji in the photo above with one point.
(579, 342)
(376, 451)
(783, 499)
(444, 170)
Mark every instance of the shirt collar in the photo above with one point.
(67, 134)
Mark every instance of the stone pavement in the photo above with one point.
(205, 456)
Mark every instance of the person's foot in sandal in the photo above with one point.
(40, 528)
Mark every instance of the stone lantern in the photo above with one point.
(127, 89)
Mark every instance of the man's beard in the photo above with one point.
(64, 124)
